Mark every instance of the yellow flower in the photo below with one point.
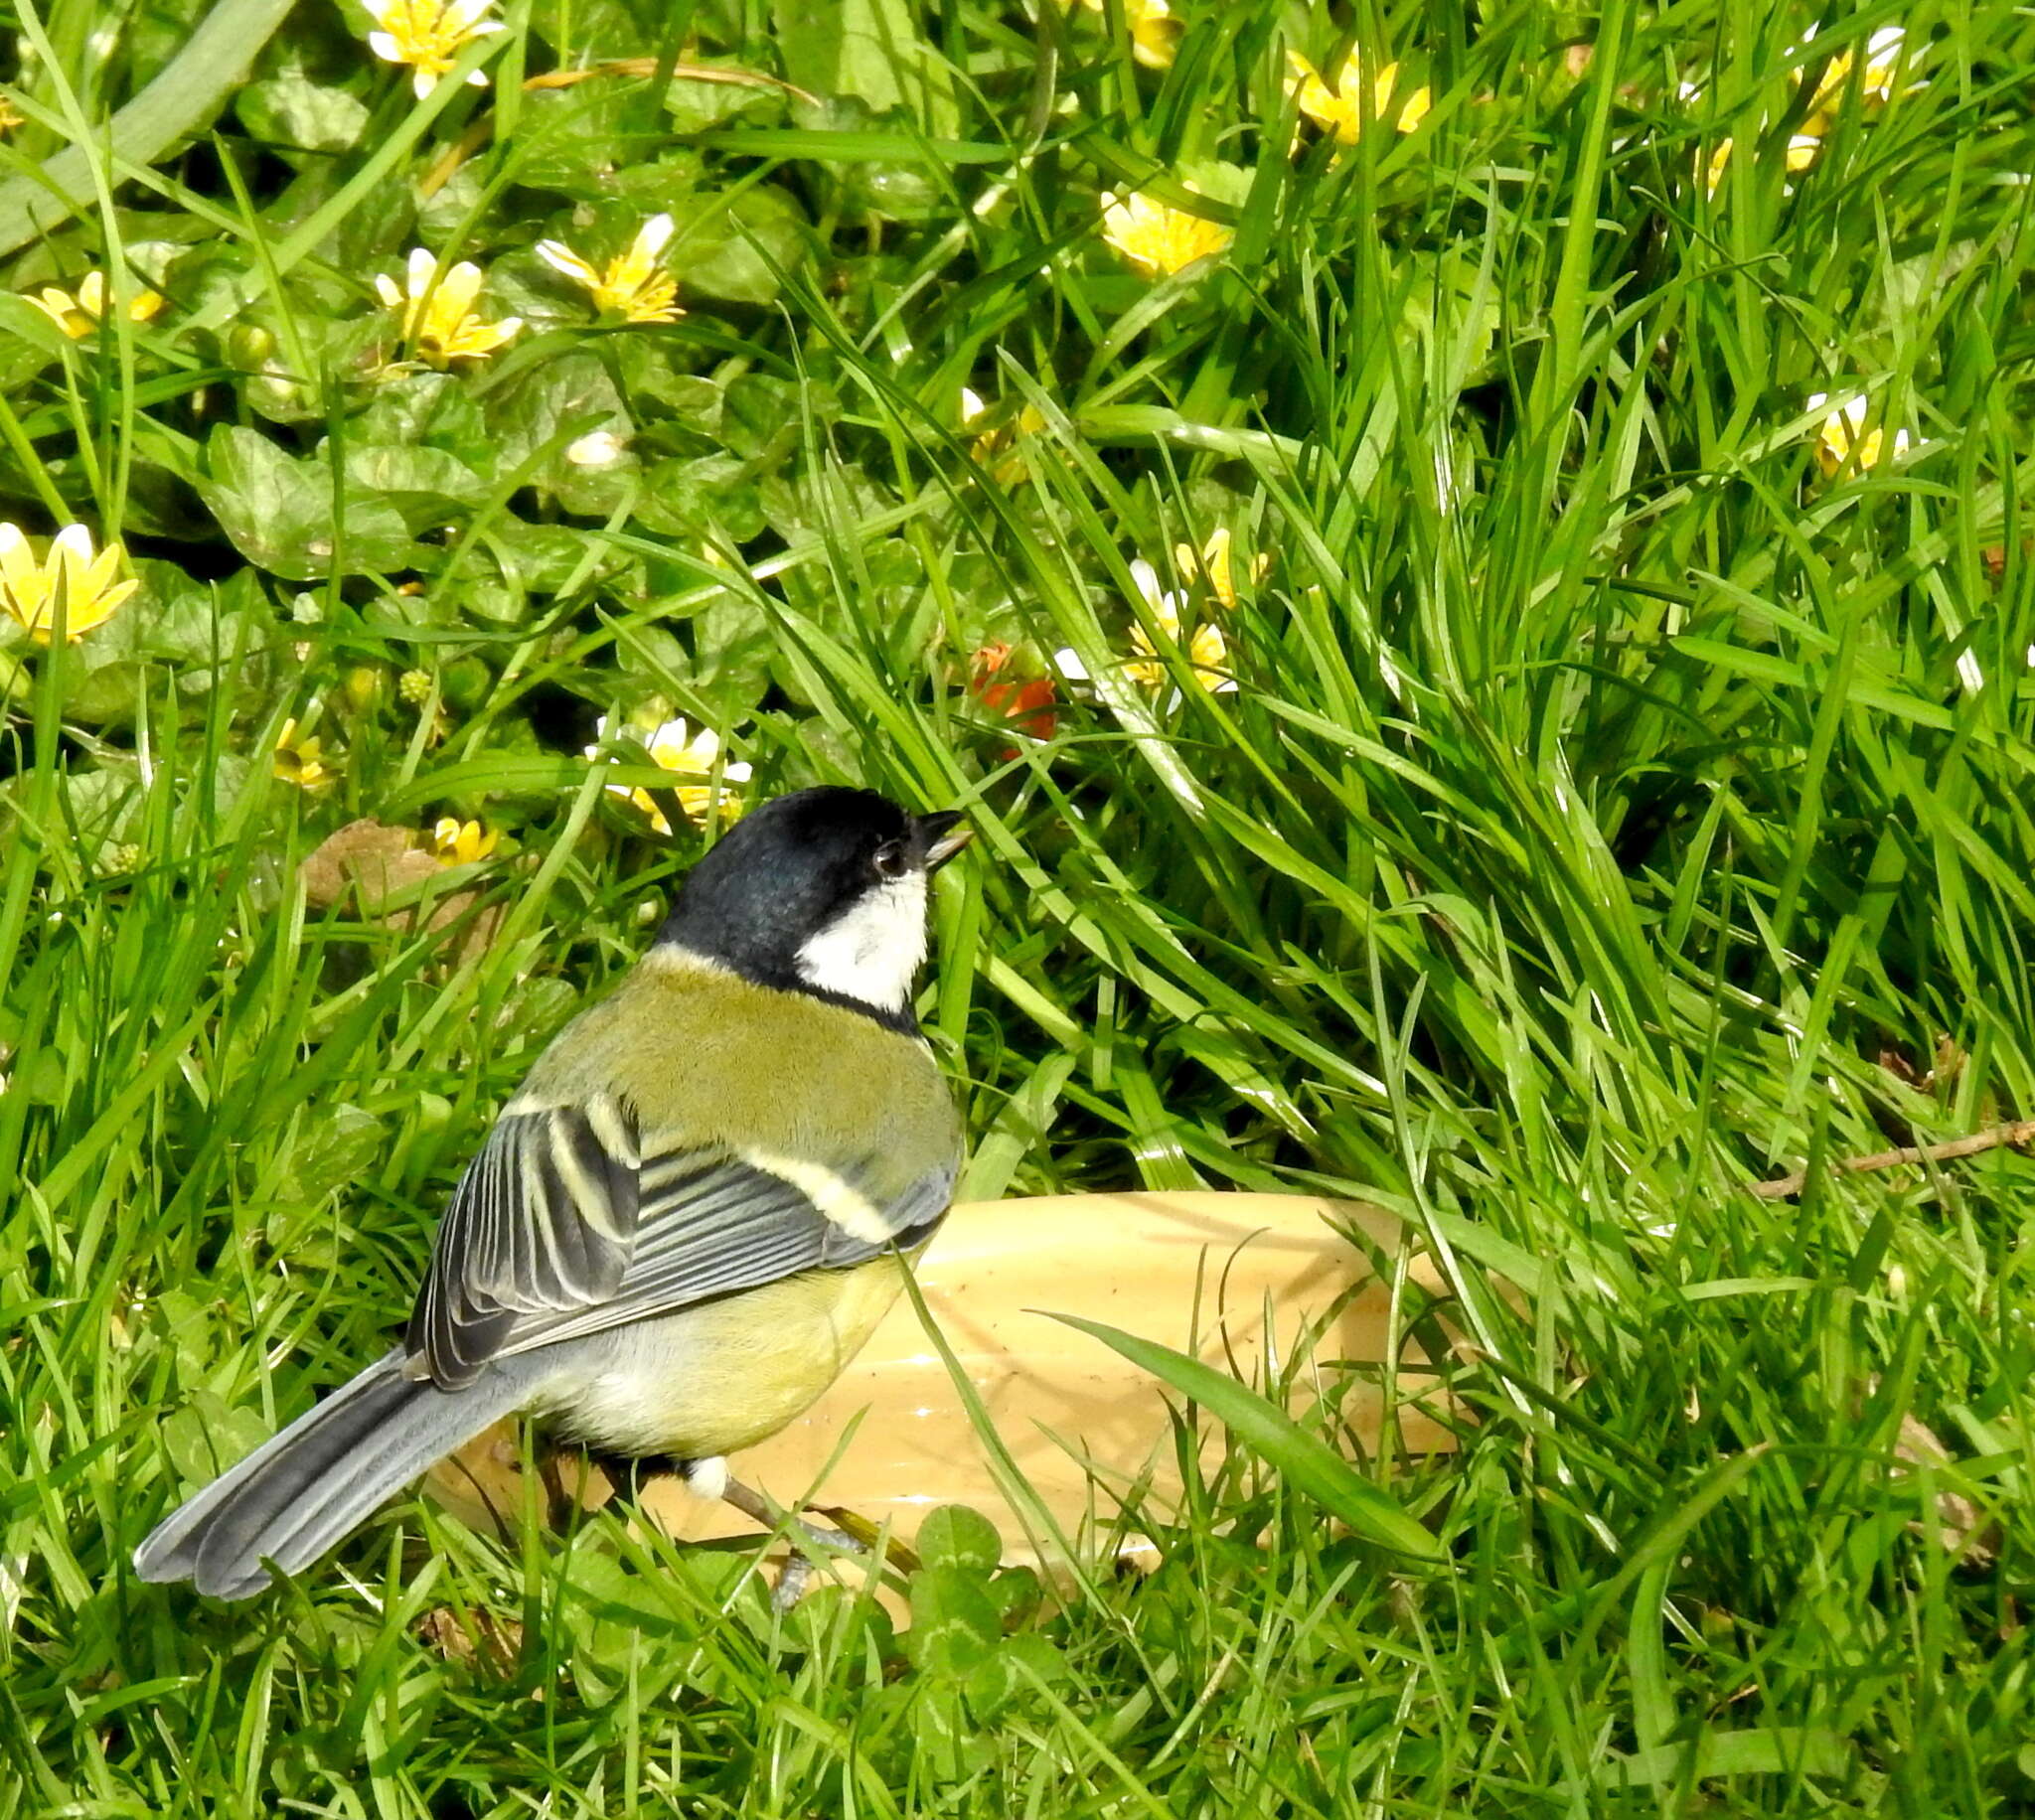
(10, 115)
(1154, 32)
(994, 447)
(1340, 109)
(29, 590)
(438, 311)
(299, 761)
(1802, 153)
(632, 287)
(686, 755)
(428, 35)
(1844, 438)
(1207, 652)
(1211, 561)
(1156, 238)
(457, 842)
(78, 315)
(1886, 60)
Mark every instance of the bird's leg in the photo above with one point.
(710, 1478)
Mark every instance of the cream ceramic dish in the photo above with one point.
(1196, 1272)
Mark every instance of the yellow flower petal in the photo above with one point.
(561, 258)
(1338, 110)
(1845, 440)
(1154, 32)
(1207, 652)
(428, 35)
(1156, 238)
(631, 286)
(29, 588)
(78, 315)
(438, 318)
(691, 757)
(298, 761)
(457, 291)
(1211, 561)
(457, 842)
(62, 309)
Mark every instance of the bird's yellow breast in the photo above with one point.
(722, 1375)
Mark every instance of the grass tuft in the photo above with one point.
(1597, 785)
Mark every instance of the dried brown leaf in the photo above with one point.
(368, 865)
(476, 1640)
(366, 861)
(1965, 1530)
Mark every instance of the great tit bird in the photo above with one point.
(681, 1228)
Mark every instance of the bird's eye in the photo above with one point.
(892, 862)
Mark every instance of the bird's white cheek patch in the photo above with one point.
(873, 951)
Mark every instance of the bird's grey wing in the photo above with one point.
(545, 1242)
(710, 1223)
(544, 1220)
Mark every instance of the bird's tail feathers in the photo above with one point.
(298, 1495)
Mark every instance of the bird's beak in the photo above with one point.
(944, 834)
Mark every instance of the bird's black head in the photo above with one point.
(822, 891)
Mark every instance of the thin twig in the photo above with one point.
(2014, 1135)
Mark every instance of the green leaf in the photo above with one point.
(1304, 1460)
(741, 252)
(290, 112)
(1754, 1751)
(953, 1536)
(697, 106)
(279, 512)
(333, 1148)
(432, 409)
(553, 404)
(954, 1625)
(426, 486)
(207, 1435)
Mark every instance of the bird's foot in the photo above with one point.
(710, 1478)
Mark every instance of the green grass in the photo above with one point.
(1612, 811)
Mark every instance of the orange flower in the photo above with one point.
(1027, 701)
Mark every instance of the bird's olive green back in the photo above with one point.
(708, 1059)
